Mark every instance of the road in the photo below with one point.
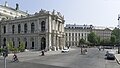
(73, 59)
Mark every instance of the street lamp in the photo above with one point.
(119, 40)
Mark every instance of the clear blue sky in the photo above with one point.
(95, 12)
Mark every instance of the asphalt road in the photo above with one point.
(73, 59)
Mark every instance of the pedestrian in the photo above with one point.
(86, 51)
(42, 53)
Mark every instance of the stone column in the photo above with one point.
(61, 43)
(57, 43)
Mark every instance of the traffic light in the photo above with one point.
(5, 52)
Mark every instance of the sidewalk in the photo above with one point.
(117, 56)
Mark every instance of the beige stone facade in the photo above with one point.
(43, 30)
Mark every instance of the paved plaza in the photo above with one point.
(73, 59)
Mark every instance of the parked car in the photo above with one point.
(110, 55)
(108, 47)
(65, 50)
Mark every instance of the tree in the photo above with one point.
(98, 40)
(113, 39)
(10, 46)
(116, 33)
(92, 38)
(1, 50)
(82, 41)
(21, 48)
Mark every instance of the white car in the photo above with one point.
(65, 50)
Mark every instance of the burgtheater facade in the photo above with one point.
(42, 30)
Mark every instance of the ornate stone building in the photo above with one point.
(42, 30)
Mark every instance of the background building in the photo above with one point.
(73, 33)
(103, 32)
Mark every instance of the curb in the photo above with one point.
(118, 61)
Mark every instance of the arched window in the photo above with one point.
(19, 44)
(32, 28)
(43, 43)
(32, 45)
(43, 26)
(25, 39)
(19, 28)
(25, 28)
(13, 29)
(4, 42)
(4, 29)
(26, 45)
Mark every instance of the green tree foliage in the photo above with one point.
(105, 41)
(21, 48)
(98, 40)
(1, 49)
(113, 39)
(92, 38)
(116, 33)
(10, 46)
(82, 41)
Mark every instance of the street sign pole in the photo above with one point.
(4, 62)
(5, 54)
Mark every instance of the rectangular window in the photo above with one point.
(66, 34)
(69, 34)
(72, 34)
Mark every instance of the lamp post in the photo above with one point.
(5, 54)
(119, 40)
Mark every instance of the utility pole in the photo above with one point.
(5, 54)
(119, 41)
(4, 62)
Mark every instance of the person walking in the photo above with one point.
(43, 54)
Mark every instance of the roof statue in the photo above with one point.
(6, 4)
(53, 13)
(42, 11)
(17, 6)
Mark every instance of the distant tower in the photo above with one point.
(17, 6)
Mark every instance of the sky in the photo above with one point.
(80, 12)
